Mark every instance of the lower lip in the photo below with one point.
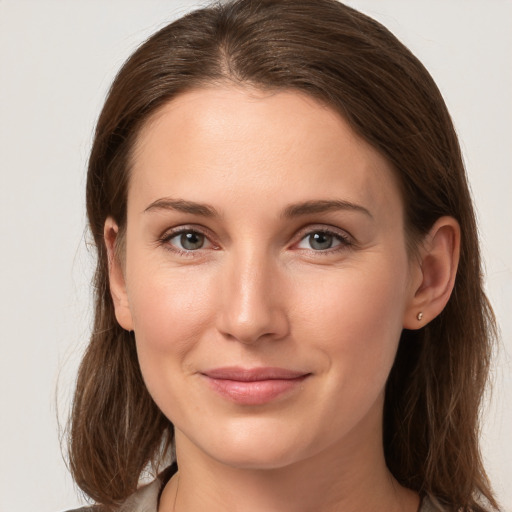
(254, 392)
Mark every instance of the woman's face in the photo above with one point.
(266, 276)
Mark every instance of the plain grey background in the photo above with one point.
(57, 59)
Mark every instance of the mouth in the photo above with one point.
(254, 386)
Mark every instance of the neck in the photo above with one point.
(352, 477)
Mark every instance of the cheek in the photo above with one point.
(170, 312)
(355, 320)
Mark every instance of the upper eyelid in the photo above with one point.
(172, 232)
(319, 228)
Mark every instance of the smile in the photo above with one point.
(255, 386)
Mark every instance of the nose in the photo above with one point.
(252, 305)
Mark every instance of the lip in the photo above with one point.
(254, 386)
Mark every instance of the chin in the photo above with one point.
(253, 448)
(256, 459)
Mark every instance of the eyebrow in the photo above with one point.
(292, 210)
(181, 205)
(310, 207)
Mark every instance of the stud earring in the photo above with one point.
(419, 316)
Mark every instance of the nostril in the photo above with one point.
(268, 323)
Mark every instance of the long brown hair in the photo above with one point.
(357, 67)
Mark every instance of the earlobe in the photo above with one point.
(116, 276)
(437, 268)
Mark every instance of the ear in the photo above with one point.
(116, 276)
(434, 273)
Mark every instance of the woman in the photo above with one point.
(289, 308)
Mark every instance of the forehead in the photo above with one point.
(230, 142)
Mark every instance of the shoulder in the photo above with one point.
(92, 508)
(429, 504)
(145, 499)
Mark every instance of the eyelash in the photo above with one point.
(164, 241)
(345, 241)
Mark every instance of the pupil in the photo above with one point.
(191, 241)
(320, 241)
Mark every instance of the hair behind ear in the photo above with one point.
(114, 420)
(433, 399)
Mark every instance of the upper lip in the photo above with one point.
(253, 374)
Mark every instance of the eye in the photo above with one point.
(322, 241)
(187, 240)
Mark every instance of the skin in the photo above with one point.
(260, 293)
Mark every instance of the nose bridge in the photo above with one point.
(252, 307)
